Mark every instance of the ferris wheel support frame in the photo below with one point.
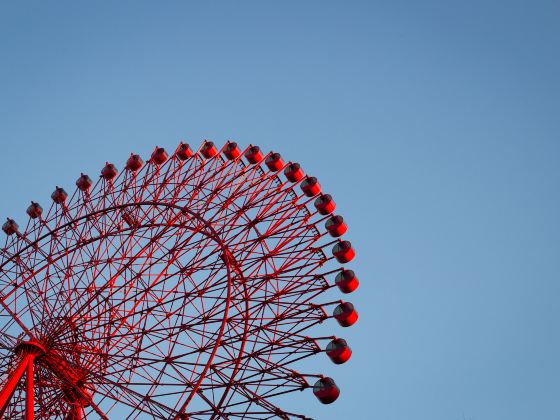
(258, 275)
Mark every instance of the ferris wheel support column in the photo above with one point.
(77, 413)
(13, 381)
(30, 391)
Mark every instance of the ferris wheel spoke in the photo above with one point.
(191, 296)
(122, 394)
(163, 280)
(119, 272)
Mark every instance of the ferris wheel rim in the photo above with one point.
(233, 267)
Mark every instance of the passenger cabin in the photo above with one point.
(274, 162)
(325, 204)
(345, 314)
(326, 390)
(338, 351)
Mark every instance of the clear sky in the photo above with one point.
(434, 124)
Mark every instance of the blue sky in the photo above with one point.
(433, 124)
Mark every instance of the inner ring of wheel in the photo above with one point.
(209, 231)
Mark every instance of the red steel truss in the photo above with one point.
(179, 288)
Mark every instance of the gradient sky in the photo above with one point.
(434, 124)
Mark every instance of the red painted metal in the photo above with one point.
(183, 288)
(184, 152)
(338, 351)
(335, 226)
(34, 210)
(10, 227)
(310, 186)
(134, 163)
(347, 281)
(30, 391)
(345, 314)
(25, 352)
(159, 156)
(326, 390)
(208, 149)
(343, 252)
(109, 171)
(274, 162)
(59, 196)
(293, 172)
(12, 381)
(84, 182)
(77, 412)
(232, 150)
(325, 204)
(254, 154)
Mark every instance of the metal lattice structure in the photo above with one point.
(183, 287)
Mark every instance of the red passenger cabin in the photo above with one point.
(274, 162)
(310, 186)
(84, 182)
(293, 172)
(325, 204)
(34, 210)
(254, 154)
(336, 226)
(59, 195)
(326, 391)
(345, 314)
(232, 150)
(346, 281)
(343, 252)
(159, 156)
(208, 150)
(109, 172)
(183, 151)
(339, 351)
(134, 163)
(10, 227)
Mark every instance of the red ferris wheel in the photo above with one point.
(183, 287)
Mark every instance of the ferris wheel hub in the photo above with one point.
(30, 347)
(67, 377)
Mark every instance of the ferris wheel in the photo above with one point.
(183, 287)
